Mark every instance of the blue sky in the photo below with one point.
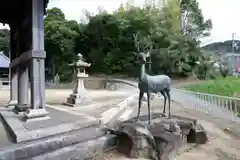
(224, 14)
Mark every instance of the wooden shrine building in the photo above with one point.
(25, 18)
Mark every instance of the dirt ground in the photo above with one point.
(221, 145)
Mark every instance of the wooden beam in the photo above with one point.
(27, 56)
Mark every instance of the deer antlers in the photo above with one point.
(146, 41)
(136, 41)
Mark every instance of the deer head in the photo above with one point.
(142, 56)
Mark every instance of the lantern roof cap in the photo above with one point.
(80, 62)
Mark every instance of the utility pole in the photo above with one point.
(233, 60)
(233, 43)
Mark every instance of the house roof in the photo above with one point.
(4, 61)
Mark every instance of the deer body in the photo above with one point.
(152, 84)
(155, 84)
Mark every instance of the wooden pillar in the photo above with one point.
(22, 69)
(13, 71)
(23, 98)
(38, 55)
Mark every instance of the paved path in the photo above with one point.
(59, 96)
(221, 146)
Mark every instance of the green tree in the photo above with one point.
(60, 37)
(107, 40)
(5, 41)
(194, 23)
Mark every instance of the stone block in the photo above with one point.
(87, 150)
(197, 135)
(12, 103)
(140, 141)
(60, 145)
(21, 108)
(22, 131)
(35, 113)
(163, 139)
(77, 99)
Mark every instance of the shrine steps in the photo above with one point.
(83, 143)
(82, 151)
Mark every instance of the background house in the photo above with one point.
(4, 69)
(232, 62)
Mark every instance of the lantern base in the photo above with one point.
(75, 100)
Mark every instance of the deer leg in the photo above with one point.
(139, 103)
(149, 108)
(169, 102)
(164, 105)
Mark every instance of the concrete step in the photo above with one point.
(27, 150)
(5, 138)
(93, 149)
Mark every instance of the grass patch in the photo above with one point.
(229, 86)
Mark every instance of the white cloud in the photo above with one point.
(224, 15)
(73, 8)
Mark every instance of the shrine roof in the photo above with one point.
(8, 9)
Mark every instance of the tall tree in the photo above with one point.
(192, 17)
(106, 40)
(60, 37)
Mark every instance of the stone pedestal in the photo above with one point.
(21, 108)
(12, 103)
(161, 141)
(36, 115)
(80, 95)
(79, 99)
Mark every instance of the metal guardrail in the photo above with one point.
(215, 105)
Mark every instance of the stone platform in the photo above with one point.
(59, 144)
(63, 135)
(60, 122)
(66, 131)
(65, 119)
(160, 141)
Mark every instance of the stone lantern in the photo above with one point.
(80, 95)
